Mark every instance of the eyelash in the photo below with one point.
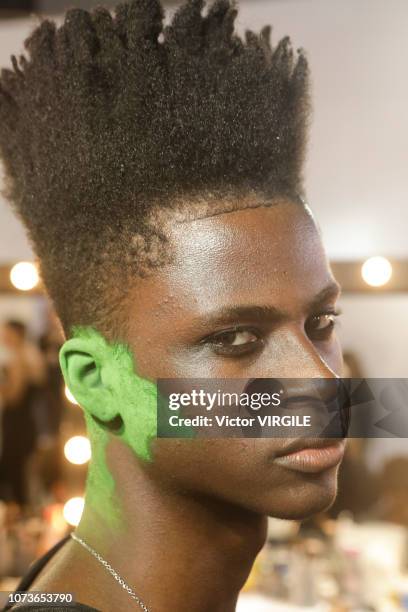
(324, 334)
(237, 350)
(251, 347)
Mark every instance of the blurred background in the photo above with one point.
(354, 557)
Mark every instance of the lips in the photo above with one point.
(311, 456)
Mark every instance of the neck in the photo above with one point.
(177, 551)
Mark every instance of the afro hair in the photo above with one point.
(111, 117)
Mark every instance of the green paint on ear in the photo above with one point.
(103, 379)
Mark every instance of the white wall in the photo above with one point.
(375, 329)
(357, 168)
(356, 172)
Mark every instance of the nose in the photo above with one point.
(305, 379)
(305, 372)
(293, 355)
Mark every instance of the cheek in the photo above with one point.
(226, 470)
(136, 399)
(240, 472)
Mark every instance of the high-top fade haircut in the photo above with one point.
(110, 121)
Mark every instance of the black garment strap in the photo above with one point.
(33, 571)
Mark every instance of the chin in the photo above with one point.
(309, 497)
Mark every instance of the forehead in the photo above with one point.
(259, 255)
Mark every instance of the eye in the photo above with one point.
(234, 342)
(319, 327)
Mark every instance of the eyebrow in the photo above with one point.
(330, 292)
(268, 313)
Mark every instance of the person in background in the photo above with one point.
(23, 375)
(51, 408)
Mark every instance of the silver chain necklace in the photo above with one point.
(111, 571)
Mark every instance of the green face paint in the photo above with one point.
(108, 391)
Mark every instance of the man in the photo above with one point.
(158, 171)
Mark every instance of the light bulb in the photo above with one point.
(24, 275)
(73, 510)
(78, 450)
(376, 271)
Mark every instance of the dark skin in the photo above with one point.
(248, 294)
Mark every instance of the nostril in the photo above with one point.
(264, 385)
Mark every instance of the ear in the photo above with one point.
(85, 366)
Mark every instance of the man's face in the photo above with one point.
(249, 294)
